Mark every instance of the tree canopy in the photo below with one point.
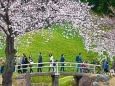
(18, 17)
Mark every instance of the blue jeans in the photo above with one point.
(105, 70)
(31, 71)
(79, 65)
(2, 69)
(62, 68)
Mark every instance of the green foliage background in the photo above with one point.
(102, 6)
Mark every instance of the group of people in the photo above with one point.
(25, 62)
(85, 68)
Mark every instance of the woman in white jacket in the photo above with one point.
(51, 62)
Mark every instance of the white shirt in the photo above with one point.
(19, 61)
(51, 58)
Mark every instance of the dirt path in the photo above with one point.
(111, 82)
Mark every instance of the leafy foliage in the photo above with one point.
(102, 6)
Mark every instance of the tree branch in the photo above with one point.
(5, 31)
(1, 15)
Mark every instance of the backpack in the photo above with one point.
(77, 58)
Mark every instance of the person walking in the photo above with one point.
(31, 63)
(62, 64)
(51, 62)
(25, 62)
(79, 60)
(54, 65)
(40, 61)
(99, 68)
(2, 65)
(105, 66)
(19, 64)
(102, 65)
(14, 62)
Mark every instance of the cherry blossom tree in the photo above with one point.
(18, 17)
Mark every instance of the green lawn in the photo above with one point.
(57, 45)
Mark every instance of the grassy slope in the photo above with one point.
(57, 45)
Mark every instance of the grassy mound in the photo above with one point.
(40, 41)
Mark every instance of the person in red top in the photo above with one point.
(2, 65)
(82, 66)
(102, 65)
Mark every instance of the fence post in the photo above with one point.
(76, 80)
(55, 81)
(57, 68)
(28, 83)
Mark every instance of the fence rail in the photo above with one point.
(58, 65)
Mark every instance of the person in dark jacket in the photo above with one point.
(24, 61)
(62, 60)
(79, 60)
(40, 61)
(14, 61)
(105, 66)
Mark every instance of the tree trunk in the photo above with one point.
(8, 67)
